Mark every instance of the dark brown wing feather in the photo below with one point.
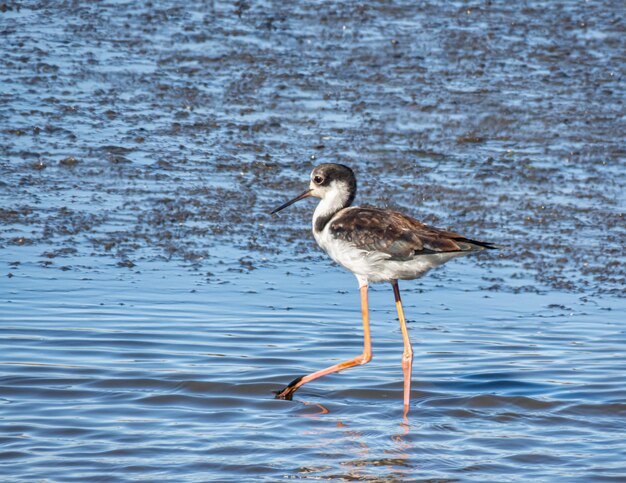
(398, 235)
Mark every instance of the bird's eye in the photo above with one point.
(318, 180)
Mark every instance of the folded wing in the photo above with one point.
(398, 236)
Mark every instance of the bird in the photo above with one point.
(376, 245)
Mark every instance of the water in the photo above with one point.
(162, 376)
(149, 305)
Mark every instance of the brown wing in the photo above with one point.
(399, 236)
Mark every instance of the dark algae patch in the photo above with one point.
(494, 119)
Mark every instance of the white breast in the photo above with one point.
(342, 252)
(377, 266)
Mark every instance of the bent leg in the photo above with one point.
(365, 357)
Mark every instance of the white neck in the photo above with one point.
(334, 200)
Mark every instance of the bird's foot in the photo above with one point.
(287, 392)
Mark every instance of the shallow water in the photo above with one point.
(149, 305)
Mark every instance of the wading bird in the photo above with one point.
(376, 245)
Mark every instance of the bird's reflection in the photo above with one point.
(322, 409)
(356, 450)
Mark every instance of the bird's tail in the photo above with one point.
(481, 245)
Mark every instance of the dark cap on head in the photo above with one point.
(325, 174)
(334, 172)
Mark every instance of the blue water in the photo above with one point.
(164, 376)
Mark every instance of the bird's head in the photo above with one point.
(328, 181)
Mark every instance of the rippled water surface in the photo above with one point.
(149, 305)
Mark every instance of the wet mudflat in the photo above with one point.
(149, 305)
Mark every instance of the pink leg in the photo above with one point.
(407, 356)
(287, 392)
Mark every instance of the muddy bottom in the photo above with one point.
(151, 305)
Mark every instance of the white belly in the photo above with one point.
(377, 266)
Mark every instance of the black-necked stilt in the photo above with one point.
(376, 245)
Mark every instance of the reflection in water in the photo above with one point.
(323, 410)
(340, 443)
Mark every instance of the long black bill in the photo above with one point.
(306, 194)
